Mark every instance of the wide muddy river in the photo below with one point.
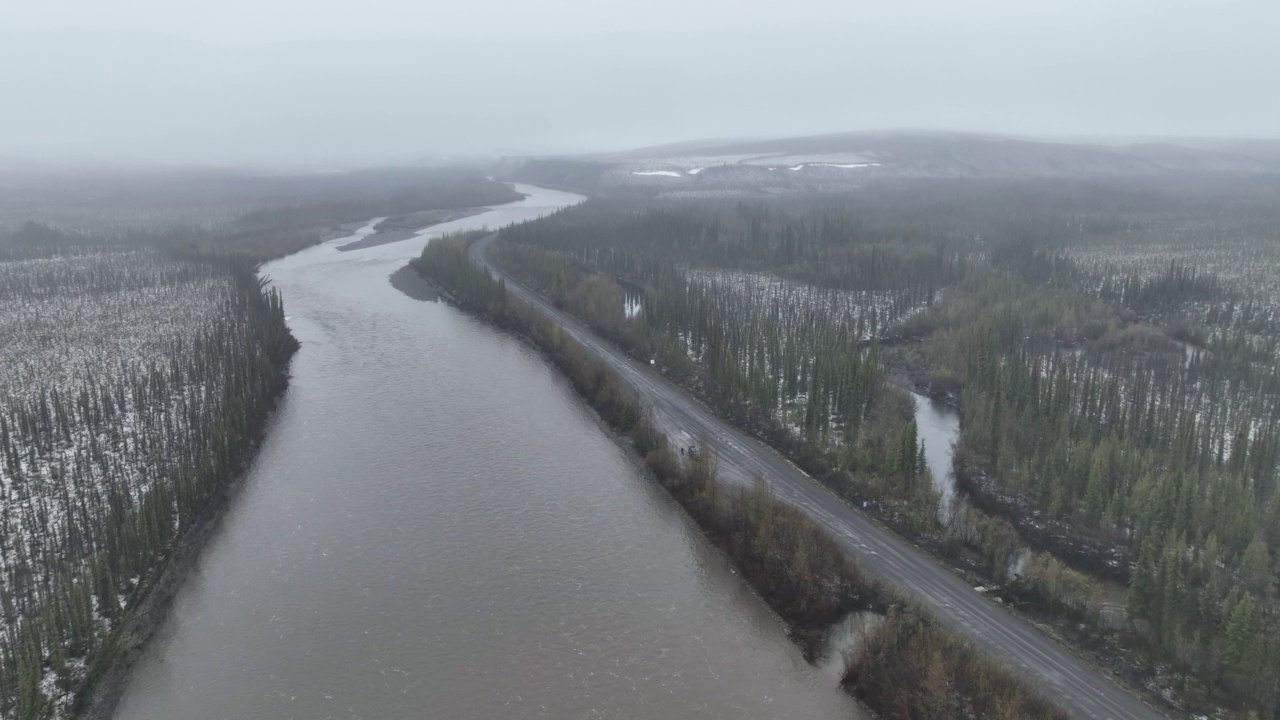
(437, 528)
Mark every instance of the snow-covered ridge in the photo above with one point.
(802, 166)
(736, 169)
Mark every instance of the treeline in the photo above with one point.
(262, 218)
(36, 240)
(278, 230)
(827, 248)
(1121, 416)
(796, 565)
(802, 375)
(105, 468)
(1131, 424)
(162, 202)
(445, 260)
(394, 196)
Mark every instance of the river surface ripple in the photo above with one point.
(437, 528)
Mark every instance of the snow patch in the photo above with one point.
(833, 165)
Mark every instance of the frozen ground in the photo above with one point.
(867, 313)
(64, 321)
(102, 381)
(705, 171)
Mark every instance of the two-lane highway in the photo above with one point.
(1084, 689)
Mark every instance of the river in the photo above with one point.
(437, 527)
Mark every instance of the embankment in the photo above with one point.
(796, 565)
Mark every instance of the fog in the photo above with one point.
(324, 83)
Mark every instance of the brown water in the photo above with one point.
(437, 528)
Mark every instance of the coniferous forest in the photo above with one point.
(140, 355)
(1112, 347)
(135, 383)
(720, 359)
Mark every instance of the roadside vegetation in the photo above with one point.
(1112, 346)
(797, 366)
(796, 566)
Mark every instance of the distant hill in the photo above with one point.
(717, 167)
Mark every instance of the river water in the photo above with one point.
(437, 527)
(938, 427)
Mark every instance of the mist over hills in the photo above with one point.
(59, 192)
(831, 161)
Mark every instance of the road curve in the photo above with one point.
(1082, 688)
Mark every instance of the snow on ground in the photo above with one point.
(1244, 259)
(97, 355)
(762, 301)
(767, 289)
(835, 159)
(846, 166)
(734, 166)
(53, 338)
(697, 161)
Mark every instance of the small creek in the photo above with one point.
(938, 427)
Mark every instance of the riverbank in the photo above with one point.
(796, 565)
(550, 558)
(175, 361)
(984, 550)
(809, 609)
(153, 600)
(404, 227)
(243, 422)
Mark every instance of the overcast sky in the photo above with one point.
(320, 81)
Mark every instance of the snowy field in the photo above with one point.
(866, 314)
(67, 320)
(1227, 376)
(1245, 261)
(744, 168)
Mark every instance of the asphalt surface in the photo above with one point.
(1082, 688)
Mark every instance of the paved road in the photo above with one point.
(1088, 692)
